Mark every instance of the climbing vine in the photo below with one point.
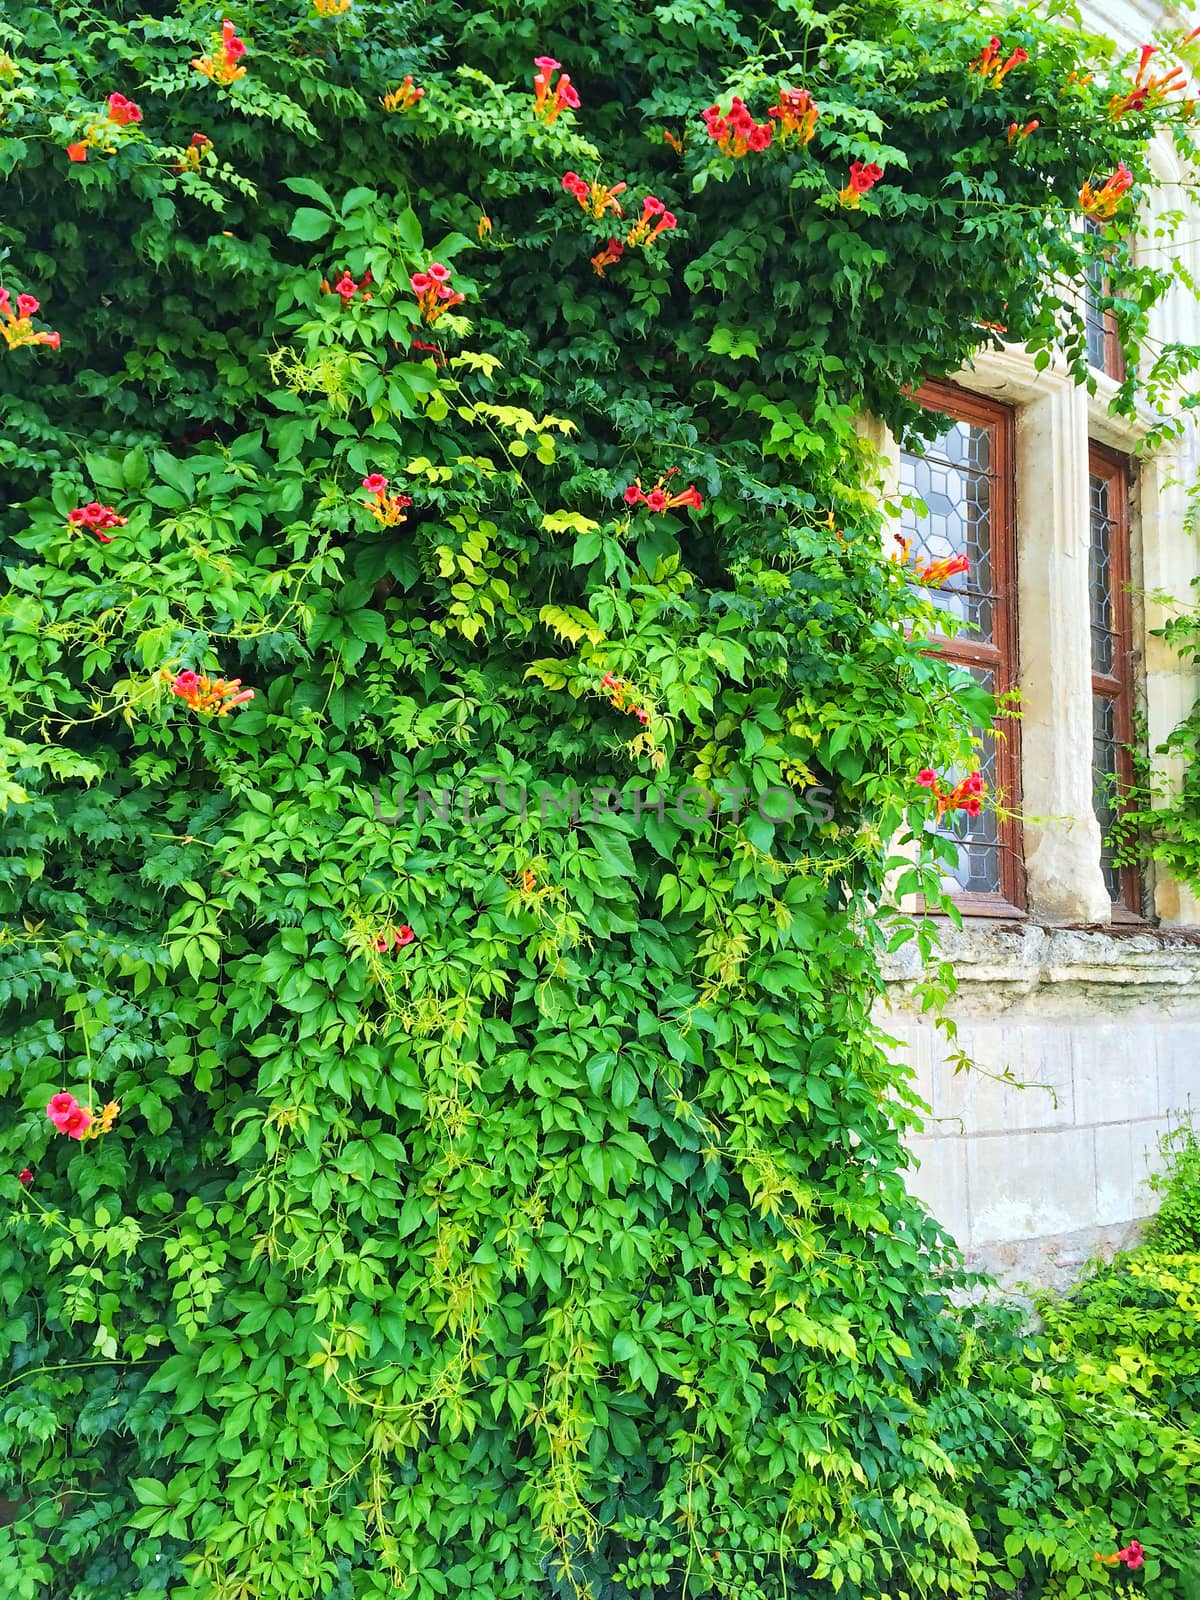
(461, 717)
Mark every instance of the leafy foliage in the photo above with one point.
(562, 1249)
(1160, 820)
(1086, 1435)
(1176, 1225)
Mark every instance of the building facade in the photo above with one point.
(1078, 1003)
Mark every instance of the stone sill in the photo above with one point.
(1017, 958)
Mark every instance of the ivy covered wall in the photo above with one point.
(499, 1192)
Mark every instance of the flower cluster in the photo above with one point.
(387, 509)
(404, 98)
(795, 117)
(199, 149)
(347, 288)
(331, 8)
(211, 697)
(659, 499)
(16, 327)
(933, 574)
(1102, 203)
(620, 695)
(965, 796)
(990, 68)
(864, 175)
(736, 132)
(394, 938)
(551, 97)
(654, 220)
(97, 519)
(1015, 133)
(68, 1116)
(595, 198)
(607, 257)
(122, 111)
(433, 292)
(222, 64)
(1132, 1556)
(77, 1121)
(1146, 91)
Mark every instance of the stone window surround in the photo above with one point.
(1055, 419)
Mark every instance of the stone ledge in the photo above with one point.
(1018, 958)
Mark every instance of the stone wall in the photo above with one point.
(1085, 1045)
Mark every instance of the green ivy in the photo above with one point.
(1160, 817)
(504, 1201)
(1176, 1225)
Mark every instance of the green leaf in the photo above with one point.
(309, 225)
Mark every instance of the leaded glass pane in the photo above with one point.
(954, 479)
(977, 839)
(1100, 577)
(1105, 746)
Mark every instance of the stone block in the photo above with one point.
(1030, 1185)
(914, 1049)
(1179, 1070)
(1115, 1178)
(1039, 1057)
(1116, 1072)
(1045, 1070)
(938, 1176)
(959, 1100)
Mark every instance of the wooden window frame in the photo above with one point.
(1000, 655)
(1119, 687)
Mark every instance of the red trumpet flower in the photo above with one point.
(1102, 203)
(551, 98)
(864, 175)
(658, 498)
(966, 795)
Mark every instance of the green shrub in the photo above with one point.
(1175, 1227)
(1084, 1436)
(502, 1202)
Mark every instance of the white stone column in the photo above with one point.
(1062, 837)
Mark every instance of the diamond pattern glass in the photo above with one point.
(1105, 770)
(954, 480)
(960, 487)
(1100, 578)
(977, 870)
